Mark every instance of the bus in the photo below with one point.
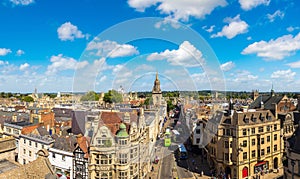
(167, 138)
(182, 152)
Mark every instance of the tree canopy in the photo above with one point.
(27, 99)
(90, 96)
(112, 96)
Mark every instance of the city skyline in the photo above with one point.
(43, 45)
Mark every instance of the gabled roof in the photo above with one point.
(83, 143)
(268, 101)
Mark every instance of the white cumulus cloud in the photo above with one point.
(61, 63)
(22, 2)
(235, 27)
(4, 51)
(178, 9)
(186, 55)
(294, 64)
(112, 49)
(24, 66)
(68, 31)
(141, 5)
(275, 49)
(20, 52)
(249, 4)
(227, 66)
(276, 14)
(284, 75)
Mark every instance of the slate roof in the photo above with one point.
(267, 100)
(65, 143)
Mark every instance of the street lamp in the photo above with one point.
(293, 164)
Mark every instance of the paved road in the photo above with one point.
(183, 169)
(166, 167)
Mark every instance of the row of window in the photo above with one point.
(30, 143)
(260, 129)
(63, 157)
(253, 141)
(259, 153)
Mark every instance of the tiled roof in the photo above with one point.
(84, 144)
(28, 129)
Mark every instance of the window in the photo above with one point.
(42, 146)
(230, 145)
(268, 150)
(123, 141)
(123, 158)
(123, 175)
(244, 155)
(24, 161)
(244, 132)
(253, 153)
(261, 129)
(63, 158)
(275, 127)
(36, 144)
(24, 141)
(197, 131)
(29, 143)
(252, 130)
(262, 152)
(107, 159)
(244, 143)
(268, 138)
(29, 153)
(253, 142)
(198, 140)
(228, 132)
(24, 151)
(275, 136)
(226, 144)
(275, 148)
(133, 153)
(226, 157)
(262, 140)
(268, 128)
(53, 155)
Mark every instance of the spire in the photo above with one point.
(272, 91)
(156, 87)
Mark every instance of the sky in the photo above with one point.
(82, 45)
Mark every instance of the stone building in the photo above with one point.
(246, 144)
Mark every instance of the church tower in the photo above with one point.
(156, 92)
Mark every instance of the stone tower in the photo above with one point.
(156, 92)
(255, 94)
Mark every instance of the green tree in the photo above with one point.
(170, 106)
(112, 96)
(27, 99)
(90, 96)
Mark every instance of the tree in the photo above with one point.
(27, 99)
(112, 96)
(170, 105)
(90, 96)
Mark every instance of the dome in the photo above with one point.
(122, 126)
(122, 132)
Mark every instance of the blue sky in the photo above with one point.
(80, 45)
